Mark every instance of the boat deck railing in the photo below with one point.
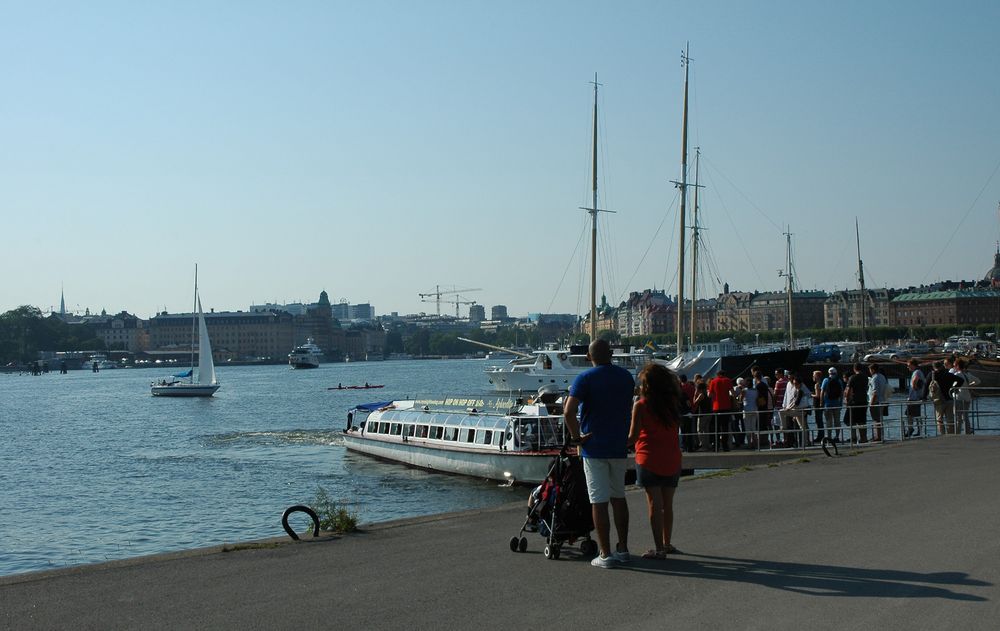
(784, 429)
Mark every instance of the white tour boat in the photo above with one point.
(305, 356)
(506, 439)
(206, 384)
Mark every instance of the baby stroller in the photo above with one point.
(560, 509)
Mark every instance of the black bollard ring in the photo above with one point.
(827, 443)
(299, 508)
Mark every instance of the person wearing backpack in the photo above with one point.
(916, 394)
(832, 390)
(940, 393)
(963, 396)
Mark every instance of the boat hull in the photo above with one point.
(305, 362)
(184, 390)
(524, 468)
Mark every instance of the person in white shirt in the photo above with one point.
(798, 399)
(878, 397)
(916, 394)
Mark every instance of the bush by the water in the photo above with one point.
(334, 515)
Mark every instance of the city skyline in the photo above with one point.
(379, 151)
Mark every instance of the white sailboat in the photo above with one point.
(206, 384)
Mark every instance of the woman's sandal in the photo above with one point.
(654, 554)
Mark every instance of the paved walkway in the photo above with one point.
(900, 537)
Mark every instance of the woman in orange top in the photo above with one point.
(654, 432)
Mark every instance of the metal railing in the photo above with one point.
(802, 428)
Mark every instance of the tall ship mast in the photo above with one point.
(593, 210)
(863, 298)
(695, 230)
(790, 285)
(686, 62)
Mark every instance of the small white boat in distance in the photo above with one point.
(206, 384)
(554, 367)
(503, 439)
(305, 356)
(98, 362)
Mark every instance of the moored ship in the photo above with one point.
(503, 439)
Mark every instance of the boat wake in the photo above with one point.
(265, 438)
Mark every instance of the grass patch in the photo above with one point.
(803, 460)
(724, 473)
(334, 515)
(236, 547)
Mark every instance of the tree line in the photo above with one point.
(24, 332)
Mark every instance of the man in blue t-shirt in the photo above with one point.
(603, 397)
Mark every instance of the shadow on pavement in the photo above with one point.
(815, 579)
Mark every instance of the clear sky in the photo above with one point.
(378, 149)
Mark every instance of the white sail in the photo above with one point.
(206, 367)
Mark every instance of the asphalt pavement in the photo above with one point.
(897, 537)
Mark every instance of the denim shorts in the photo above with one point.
(646, 478)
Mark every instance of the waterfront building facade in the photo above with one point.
(643, 313)
(734, 311)
(845, 309)
(234, 334)
(948, 307)
(121, 332)
(769, 310)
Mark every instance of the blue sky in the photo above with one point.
(379, 149)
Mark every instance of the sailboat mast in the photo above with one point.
(686, 62)
(863, 298)
(194, 318)
(593, 231)
(694, 252)
(788, 275)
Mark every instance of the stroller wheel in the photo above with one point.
(522, 545)
(588, 547)
(513, 544)
(550, 552)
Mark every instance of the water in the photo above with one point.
(93, 468)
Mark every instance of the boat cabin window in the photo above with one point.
(470, 435)
(408, 430)
(484, 437)
(395, 429)
(437, 432)
(497, 437)
(383, 428)
(421, 431)
(450, 433)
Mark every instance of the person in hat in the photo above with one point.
(832, 390)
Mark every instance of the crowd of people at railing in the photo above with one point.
(784, 410)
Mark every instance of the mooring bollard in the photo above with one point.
(299, 508)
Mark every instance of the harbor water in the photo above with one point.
(93, 468)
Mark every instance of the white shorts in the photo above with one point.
(605, 478)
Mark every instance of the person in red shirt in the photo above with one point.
(720, 390)
(654, 432)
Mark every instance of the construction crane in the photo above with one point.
(437, 293)
(459, 301)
